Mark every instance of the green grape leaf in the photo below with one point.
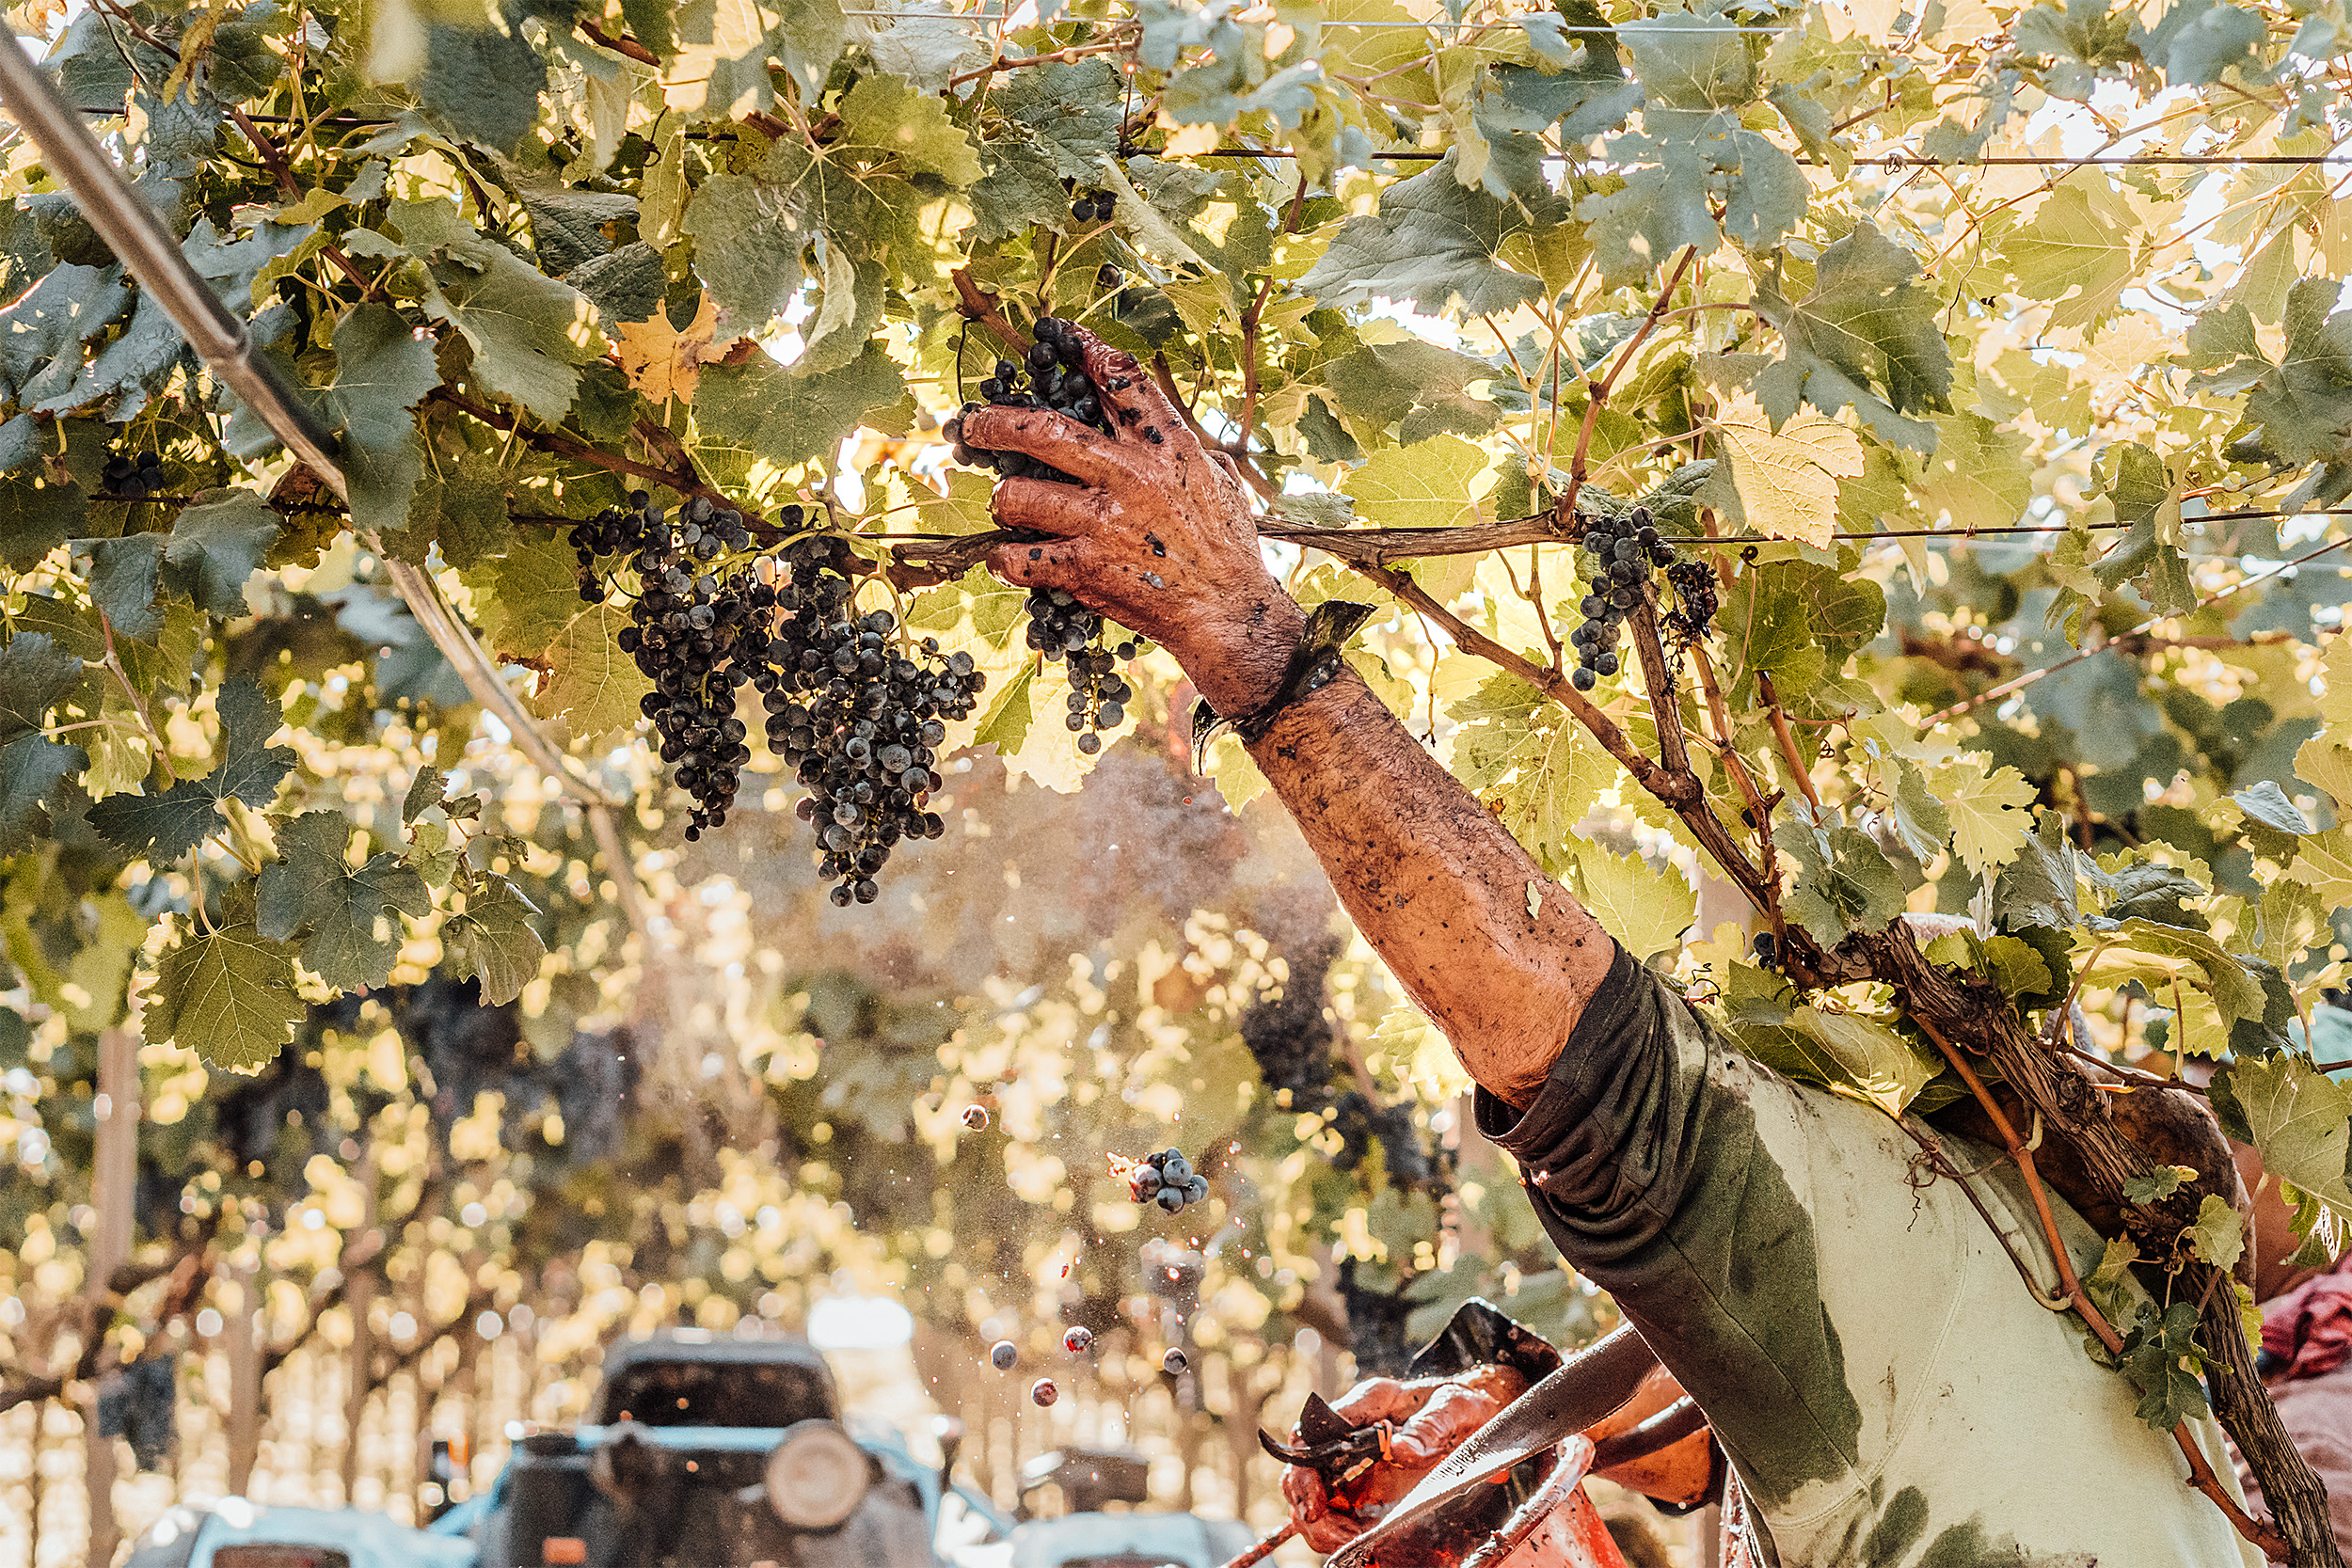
(31, 767)
(1851, 1053)
(747, 249)
(1646, 910)
(2301, 407)
(1436, 483)
(2218, 1237)
(250, 768)
(1022, 186)
(926, 50)
(225, 993)
(2038, 887)
(2198, 39)
(2146, 891)
(482, 80)
(1433, 242)
(2157, 1185)
(2267, 805)
(1978, 477)
(529, 333)
(162, 828)
(2295, 1117)
(425, 791)
(431, 853)
(493, 941)
(2325, 765)
(381, 373)
(1989, 818)
(1069, 111)
(568, 225)
(217, 545)
(1842, 882)
(1781, 482)
(353, 938)
(35, 674)
(2148, 554)
(1530, 764)
(909, 126)
(591, 684)
(2161, 1357)
(2082, 41)
(767, 411)
(463, 509)
(1865, 336)
(2081, 238)
(1419, 384)
(1005, 722)
(528, 595)
(124, 577)
(36, 517)
(156, 828)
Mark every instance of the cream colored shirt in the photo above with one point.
(1889, 1392)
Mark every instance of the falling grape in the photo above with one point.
(1043, 1393)
(1173, 1362)
(976, 1117)
(1004, 1354)
(1079, 1340)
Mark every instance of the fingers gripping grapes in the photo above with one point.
(1130, 514)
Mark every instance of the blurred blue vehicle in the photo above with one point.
(702, 1451)
(234, 1533)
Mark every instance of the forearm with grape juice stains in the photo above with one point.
(1437, 886)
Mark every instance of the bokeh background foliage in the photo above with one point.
(1991, 352)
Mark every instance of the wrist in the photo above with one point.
(1238, 661)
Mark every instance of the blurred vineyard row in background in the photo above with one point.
(428, 1218)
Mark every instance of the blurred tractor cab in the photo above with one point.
(702, 1451)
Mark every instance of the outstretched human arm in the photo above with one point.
(1158, 536)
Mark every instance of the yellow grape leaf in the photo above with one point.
(2335, 697)
(1417, 1051)
(2324, 764)
(1988, 819)
(1433, 483)
(664, 363)
(1785, 481)
(2325, 866)
(1648, 910)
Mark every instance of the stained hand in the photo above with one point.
(1431, 1416)
(1157, 534)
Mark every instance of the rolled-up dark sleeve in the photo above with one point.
(1609, 1146)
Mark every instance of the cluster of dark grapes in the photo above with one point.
(695, 630)
(1062, 629)
(1094, 206)
(859, 719)
(858, 715)
(1695, 584)
(1051, 373)
(1168, 1180)
(1623, 557)
(133, 479)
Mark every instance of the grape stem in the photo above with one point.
(1787, 739)
(1563, 514)
(980, 306)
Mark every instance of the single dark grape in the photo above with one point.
(1003, 1356)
